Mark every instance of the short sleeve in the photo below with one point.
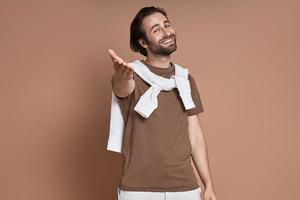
(124, 102)
(196, 98)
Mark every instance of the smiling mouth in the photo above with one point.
(170, 40)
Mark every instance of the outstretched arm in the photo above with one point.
(122, 81)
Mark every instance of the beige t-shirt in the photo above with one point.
(156, 150)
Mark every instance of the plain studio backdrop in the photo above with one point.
(55, 94)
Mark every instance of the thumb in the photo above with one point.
(112, 54)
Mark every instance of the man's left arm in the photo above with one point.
(200, 156)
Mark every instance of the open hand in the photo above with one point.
(123, 69)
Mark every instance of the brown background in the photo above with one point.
(55, 94)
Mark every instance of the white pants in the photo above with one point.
(146, 195)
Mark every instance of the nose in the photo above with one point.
(166, 32)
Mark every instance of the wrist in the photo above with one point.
(209, 185)
(123, 79)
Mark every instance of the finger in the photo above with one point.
(121, 69)
(114, 56)
(127, 70)
(116, 59)
(118, 64)
(130, 66)
(129, 73)
(111, 55)
(123, 62)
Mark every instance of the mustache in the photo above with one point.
(170, 37)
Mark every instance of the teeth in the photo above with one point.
(169, 40)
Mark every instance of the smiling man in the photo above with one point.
(158, 149)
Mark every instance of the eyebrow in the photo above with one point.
(155, 25)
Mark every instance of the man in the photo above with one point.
(158, 150)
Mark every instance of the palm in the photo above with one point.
(123, 69)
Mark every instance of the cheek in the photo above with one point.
(173, 31)
(157, 38)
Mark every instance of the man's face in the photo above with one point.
(160, 36)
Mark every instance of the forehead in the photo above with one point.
(151, 20)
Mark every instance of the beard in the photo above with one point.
(162, 49)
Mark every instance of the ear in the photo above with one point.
(143, 43)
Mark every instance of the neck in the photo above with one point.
(160, 61)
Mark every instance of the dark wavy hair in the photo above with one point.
(136, 30)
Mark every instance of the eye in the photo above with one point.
(155, 30)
